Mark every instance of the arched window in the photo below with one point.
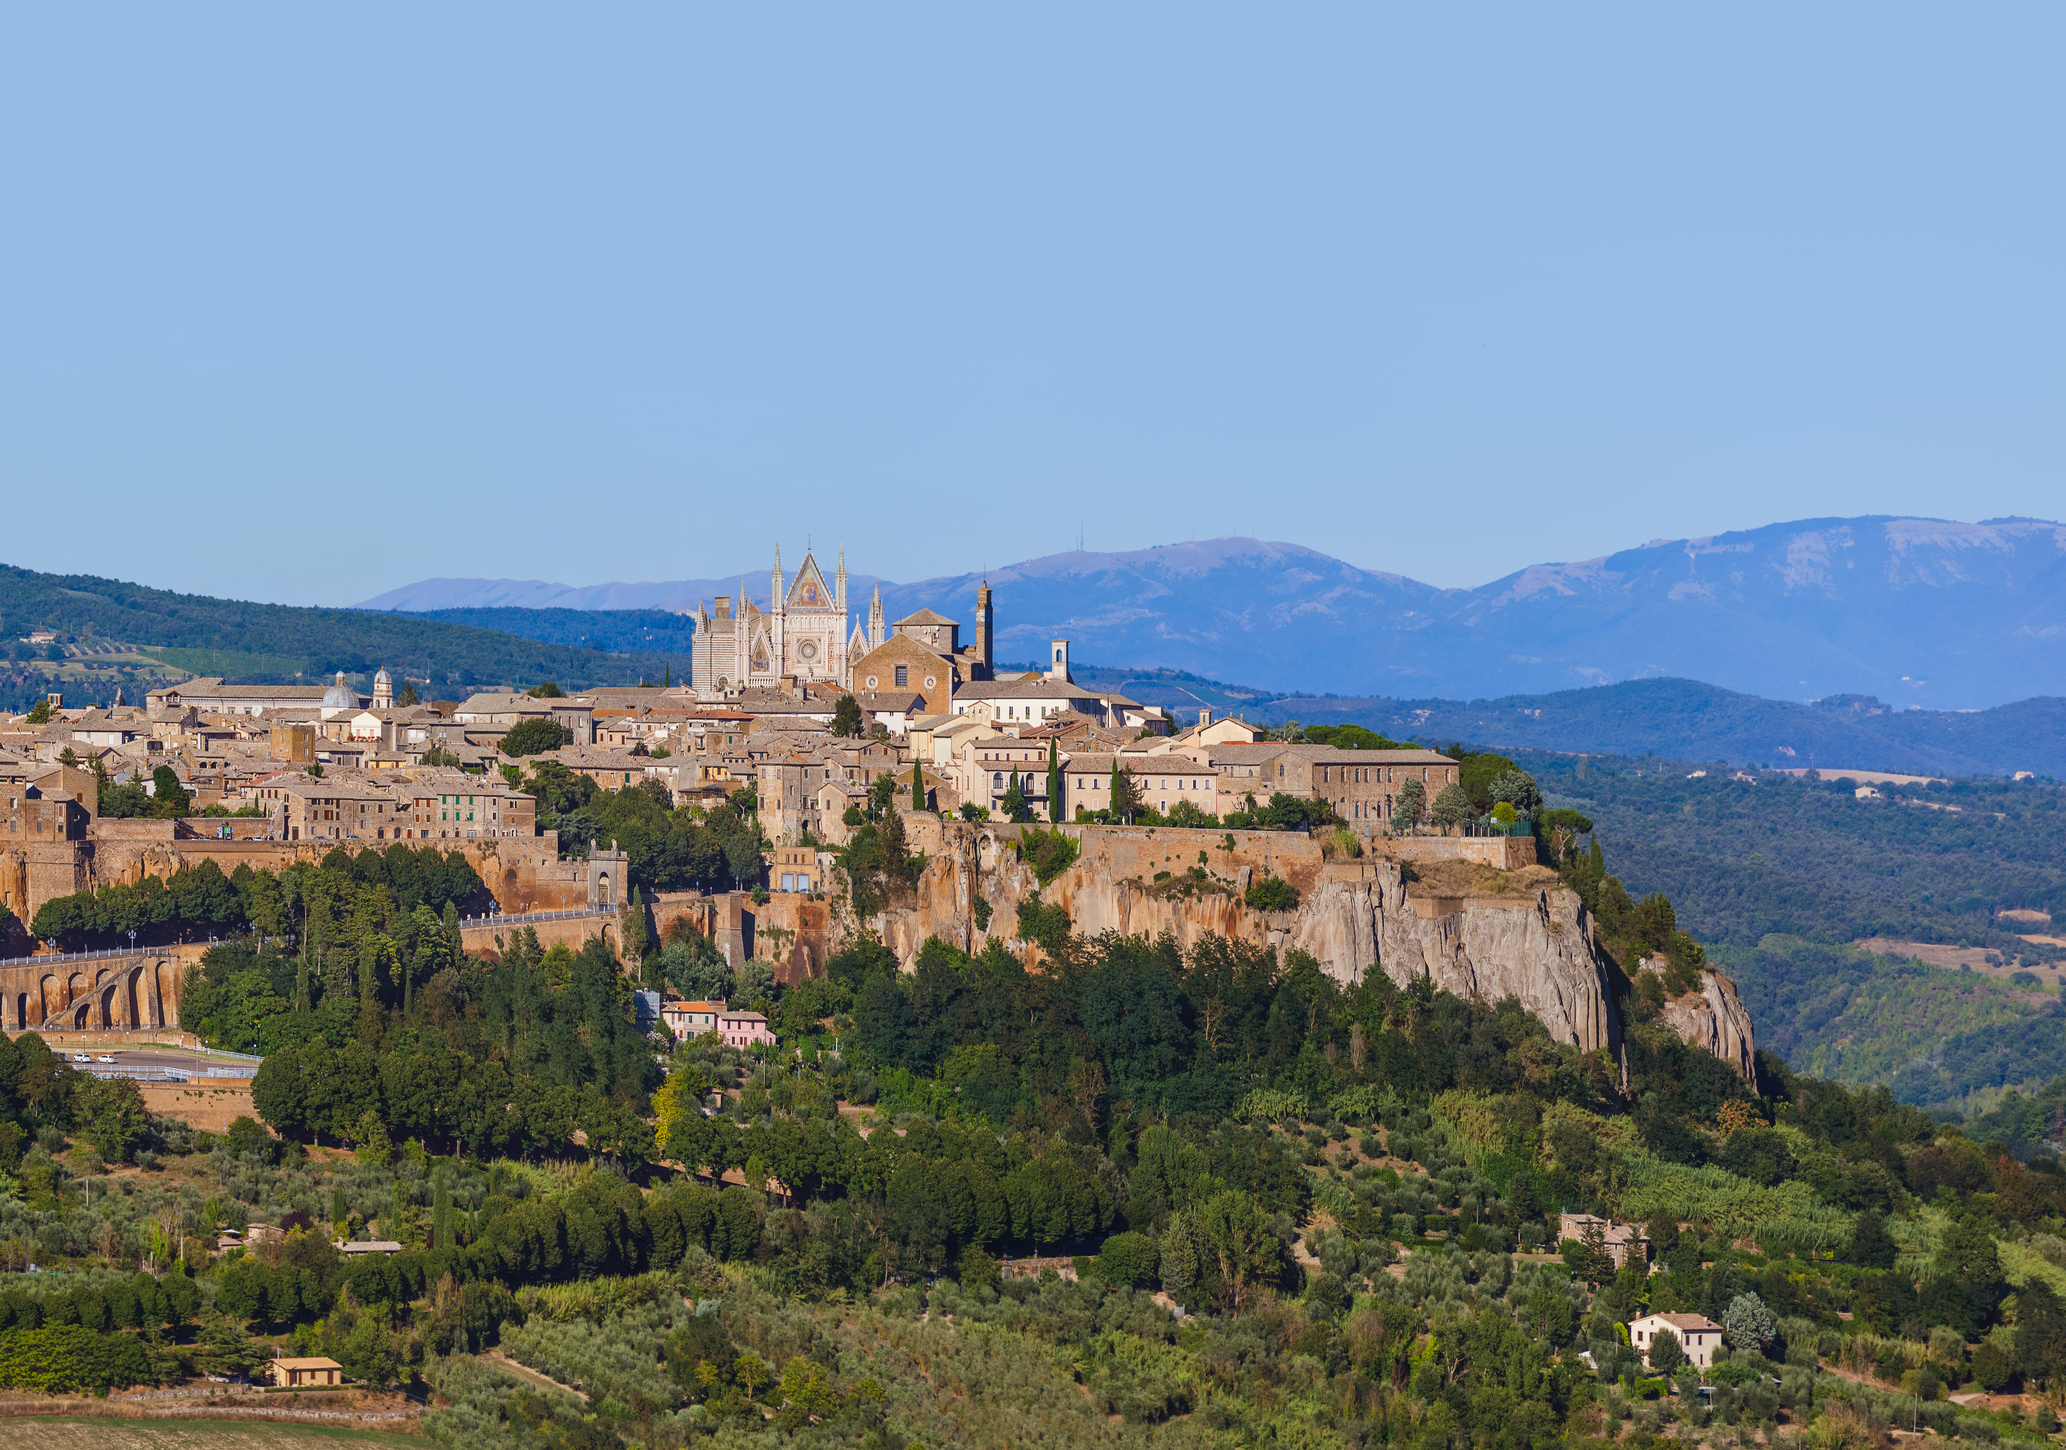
(997, 780)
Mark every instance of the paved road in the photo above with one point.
(153, 1058)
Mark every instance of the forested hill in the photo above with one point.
(1782, 854)
(1782, 875)
(272, 642)
(1679, 719)
(619, 631)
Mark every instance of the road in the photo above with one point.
(154, 1059)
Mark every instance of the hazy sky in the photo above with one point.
(303, 303)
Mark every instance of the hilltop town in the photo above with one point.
(801, 705)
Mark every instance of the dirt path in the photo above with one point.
(524, 1372)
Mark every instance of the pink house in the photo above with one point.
(743, 1029)
(690, 1019)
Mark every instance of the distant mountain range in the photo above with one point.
(1913, 611)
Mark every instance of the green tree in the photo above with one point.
(110, 1114)
(1408, 807)
(1054, 783)
(1749, 1324)
(407, 696)
(1452, 807)
(1236, 1234)
(546, 691)
(917, 787)
(1667, 1351)
(1272, 893)
(847, 722)
(1992, 1367)
(535, 736)
(1014, 803)
(1125, 793)
(170, 796)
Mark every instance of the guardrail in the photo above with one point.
(99, 956)
(521, 918)
(486, 919)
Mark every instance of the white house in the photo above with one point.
(1700, 1335)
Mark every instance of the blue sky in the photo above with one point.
(302, 306)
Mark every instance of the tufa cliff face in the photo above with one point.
(1716, 1020)
(1475, 932)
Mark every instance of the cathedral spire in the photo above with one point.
(775, 603)
(840, 579)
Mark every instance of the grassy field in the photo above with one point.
(94, 1433)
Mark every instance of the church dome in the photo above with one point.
(340, 696)
(382, 680)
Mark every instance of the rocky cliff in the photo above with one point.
(1713, 1018)
(1474, 931)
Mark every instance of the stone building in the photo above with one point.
(1162, 781)
(1361, 785)
(802, 636)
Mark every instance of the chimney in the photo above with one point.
(1058, 663)
(985, 661)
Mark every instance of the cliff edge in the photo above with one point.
(1472, 930)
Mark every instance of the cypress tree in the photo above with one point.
(1054, 784)
(917, 787)
(1115, 797)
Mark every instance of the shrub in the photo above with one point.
(1129, 1260)
(61, 1357)
(1049, 853)
(1045, 924)
(1272, 893)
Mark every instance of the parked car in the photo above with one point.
(104, 1057)
(82, 1057)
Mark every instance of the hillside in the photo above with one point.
(1781, 875)
(1938, 1039)
(617, 631)
(181, 633)
(1806, 858)
(1914, 611)
(1688, 720)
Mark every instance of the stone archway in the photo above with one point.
(53, 1000)
(164, 994)
(104, 1005)
(508, 895)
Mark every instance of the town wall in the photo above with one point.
(522, 873)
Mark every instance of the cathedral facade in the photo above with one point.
(803, 635)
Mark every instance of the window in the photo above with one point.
(903, 677)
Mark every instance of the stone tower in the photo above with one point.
(985, 661)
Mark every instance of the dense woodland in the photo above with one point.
(1807, 858)
(1782, 875)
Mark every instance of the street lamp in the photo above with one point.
(132, 938)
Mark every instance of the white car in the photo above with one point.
(107, 1059)
(82, 1057)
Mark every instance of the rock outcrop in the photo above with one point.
(1716, 1020)
(1529, 939)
